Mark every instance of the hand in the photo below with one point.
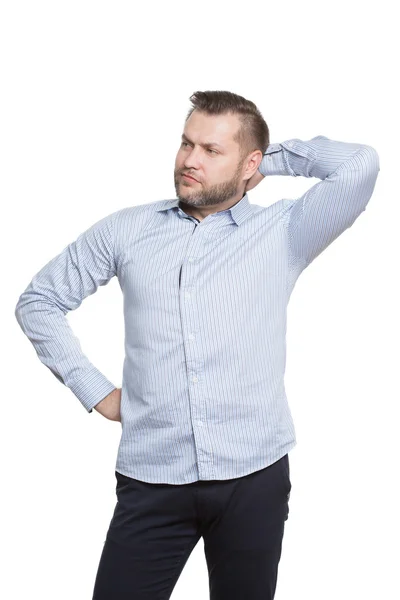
(110, 406)
(254, 180)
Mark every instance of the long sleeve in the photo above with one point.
(348, 172)
(59, 287)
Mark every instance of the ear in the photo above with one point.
(253, 161)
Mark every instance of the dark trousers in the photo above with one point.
(155, 527)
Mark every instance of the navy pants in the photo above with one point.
(155, 527)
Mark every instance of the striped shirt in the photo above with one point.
(205, 304)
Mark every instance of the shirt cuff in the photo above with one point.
(91, 388)
(273, 162)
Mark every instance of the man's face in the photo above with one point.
(209, 154)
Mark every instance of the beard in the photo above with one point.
(207, 196)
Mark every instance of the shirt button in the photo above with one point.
(200, 423)
(195, 378)
(187, 295)
(191, 336)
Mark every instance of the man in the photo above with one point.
(206, 279)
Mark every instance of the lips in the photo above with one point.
(189, 177)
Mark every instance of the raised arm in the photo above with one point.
(348, 172)
(59, 287)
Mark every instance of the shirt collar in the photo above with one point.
(241, 211)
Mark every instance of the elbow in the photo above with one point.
(24, 306)
(372, 159)
(17, 309)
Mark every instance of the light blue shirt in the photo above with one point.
(205, 304)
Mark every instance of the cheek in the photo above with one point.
(178, 160)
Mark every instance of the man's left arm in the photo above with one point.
(348, 172)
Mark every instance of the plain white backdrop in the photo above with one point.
(93, 101)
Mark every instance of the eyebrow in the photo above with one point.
(205, 145)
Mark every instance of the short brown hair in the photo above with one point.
(253, 133)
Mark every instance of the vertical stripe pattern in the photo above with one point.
(205, 304)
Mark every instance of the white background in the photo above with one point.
(93, 101)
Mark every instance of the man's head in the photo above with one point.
(223, 142)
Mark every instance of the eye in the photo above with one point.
(208, 149)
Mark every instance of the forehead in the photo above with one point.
(203, 128)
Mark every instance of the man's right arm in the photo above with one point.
(59, 287)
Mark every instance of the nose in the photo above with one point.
(192, 160)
